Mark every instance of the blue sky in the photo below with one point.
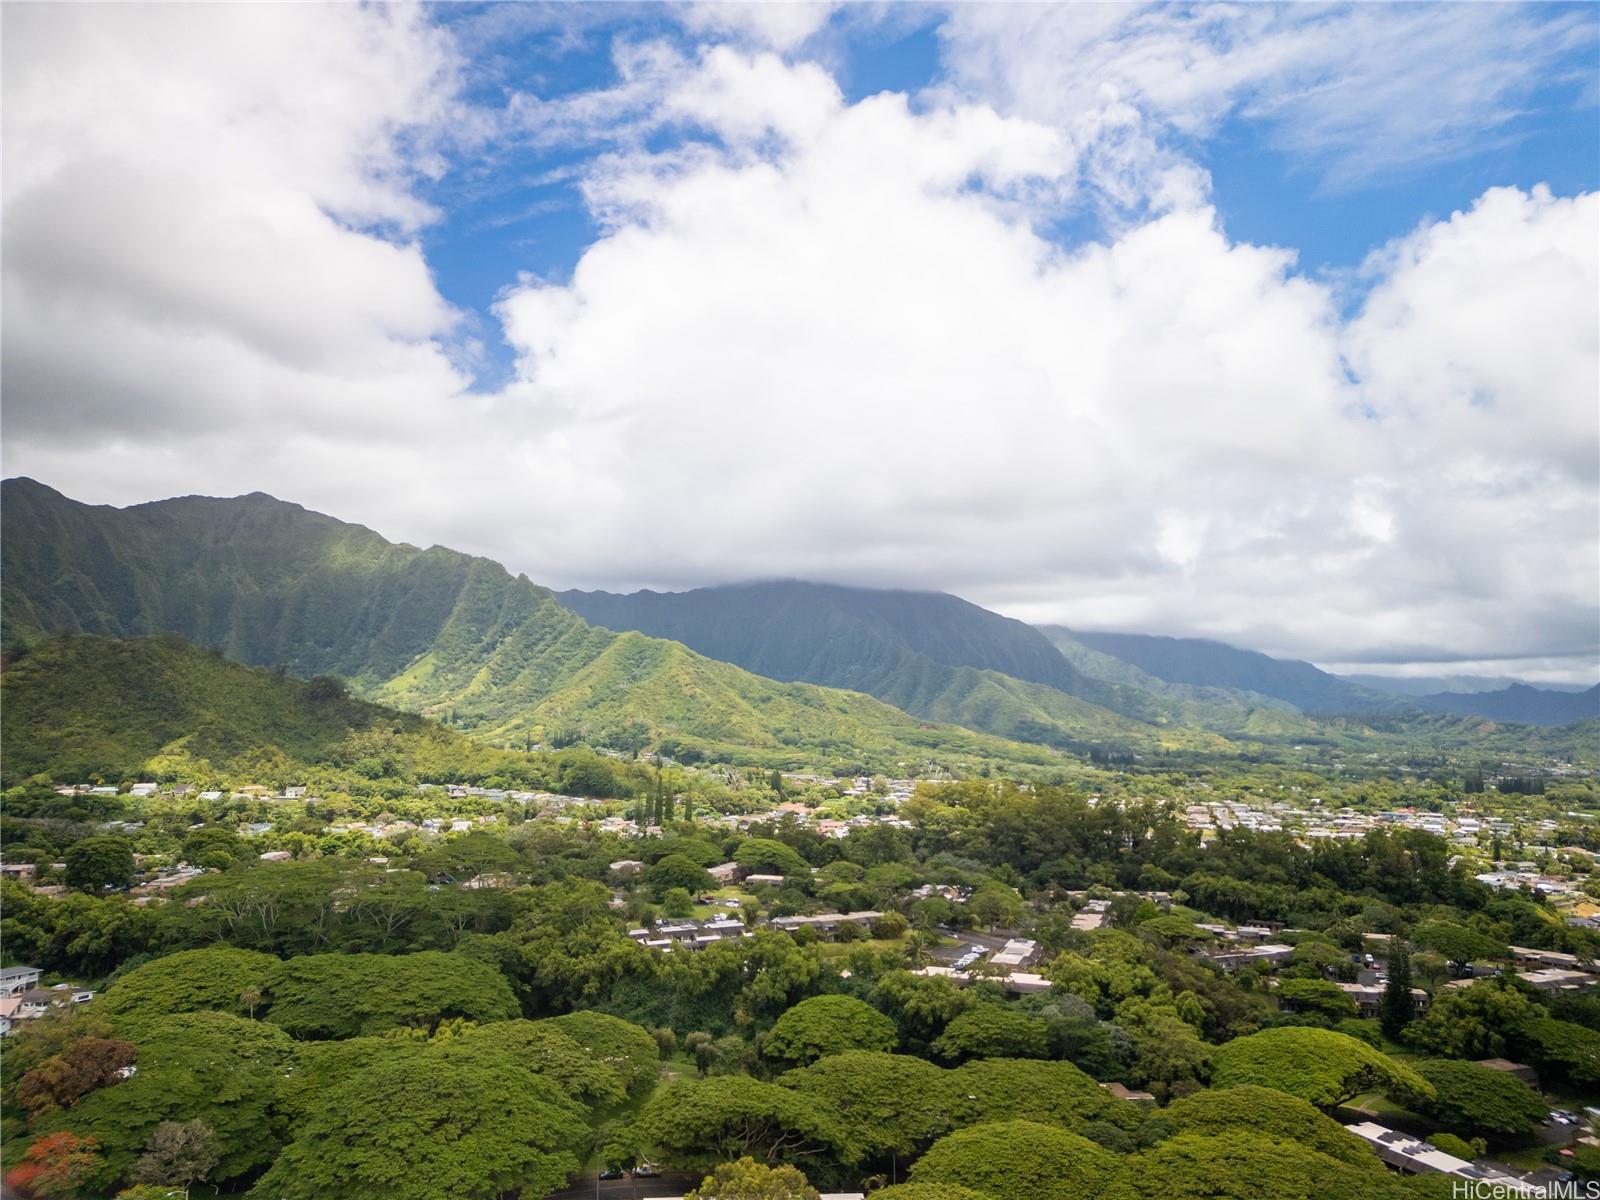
(520, 209)
(1269, 323)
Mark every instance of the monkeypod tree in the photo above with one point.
(1318, 1065)
(749, 1180)
(1009, 1159)
(824, 1025)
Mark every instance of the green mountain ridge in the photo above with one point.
(939, 657)
(82, 708)
(269, 583)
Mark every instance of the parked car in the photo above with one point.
(646, 1171)
(612, 1173)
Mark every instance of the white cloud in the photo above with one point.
(209, 215)
(771, 24)
(818, 338)
(1357, 90)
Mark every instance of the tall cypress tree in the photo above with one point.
(1395, 1011)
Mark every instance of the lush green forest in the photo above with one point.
(306, 1025)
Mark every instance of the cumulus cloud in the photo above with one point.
(814, 338)
(213, 209)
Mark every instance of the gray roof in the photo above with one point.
(17, 972)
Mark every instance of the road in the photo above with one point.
(668, 1183)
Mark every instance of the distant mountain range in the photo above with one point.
(921, 651)
(1433, 685)
(770, 673)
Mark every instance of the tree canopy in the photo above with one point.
(749, 1180)
(347, 995)
(1469, 1097)
(1018, 1158)
(822, 1025)
(1269, 1113)
(188, 981)
(894, 1103)
(432, 1123)
(207, 1066)
(697, 1123)
(1318, 1065)
(993, 1031)
(998, 1089)
(625, 1047)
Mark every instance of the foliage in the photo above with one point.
(431, 1123)
(1017, 1158)
(1451, 1144)
(208, 1066)
(66, 1078)
(178, 1154)
(749, 1180)
(1318, 1065)
(894, 1103)
(763, 856)
(98, 863)
(1474, 1022)
(1469, 1097)
(542, 1048)
(698, 1123)
(1459, 943)
(348, 995)
(922, 1005)
(1317, 996)
(188, 981)
(1269, 1113)
(1000, 1089)
(822, 1025)
(55, 1165)
(629, 1050)
(1564, 1047)
(928, 1191)
(992, 1031)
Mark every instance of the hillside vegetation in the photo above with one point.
(86, 708)
(434, 631)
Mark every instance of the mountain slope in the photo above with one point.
(927, 653)
(1521, 704)
(88, 707)
(1429, 685)
(435, 631)
(1201, 663)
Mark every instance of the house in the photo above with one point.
(724, 873)
(1555, 979)
(1369, 998)
(1413, 1157)
(8, 1012)
(37, 1001)
(276, 856)
(1272, 953)
(764, 880)
(826, 922)
(1018, 952)
(626, 866)
(1528, 958)
(142, 789)
(1522, 1071)
(22, 871)
(14, 980)
(1123, 1092)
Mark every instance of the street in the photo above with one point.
(667, 1184)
